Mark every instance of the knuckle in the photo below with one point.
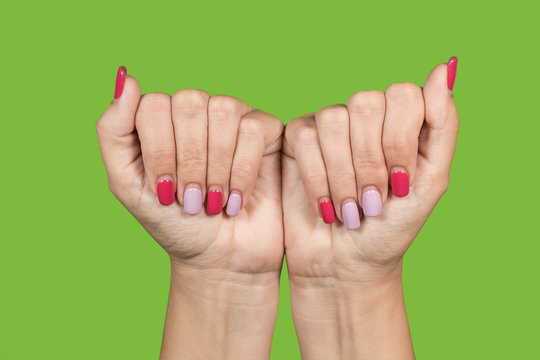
(155, 103)
(160, 157)
(333, 114)
(371, 101)
(244, 170)
(314, 180)
(291, 128)
(403, 91)
(223, 104)
(342, 173)
(307, 136)
(370, 170)
(249, 127)
(367, 164)
(399, 145)
(192, 159)
(190, 99)
(333, 120)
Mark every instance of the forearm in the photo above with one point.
(335, 319)
(214, 314)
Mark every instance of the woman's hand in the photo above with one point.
(167, 156)
(346, 274)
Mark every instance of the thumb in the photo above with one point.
(437, 140)
(118, 140)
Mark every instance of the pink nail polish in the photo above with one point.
(400, 183)
(214, 201)
(165, 192)
(120, 81)
(452, 69)
(327, 210)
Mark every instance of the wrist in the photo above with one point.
(362, 316)
(214, 313)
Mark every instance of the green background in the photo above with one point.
(80, 279)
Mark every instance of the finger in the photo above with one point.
(301, 142)
(116, 132)
(224, 113)
(155, 130)
(438, 136)
(402, 123)
(190, 121)
(366, 112)
(333, 129)
(259, 134)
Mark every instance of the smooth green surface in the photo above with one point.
(80, 279)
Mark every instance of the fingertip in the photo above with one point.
(326, 209)
(132, 88)
(399, 181)
(126, 86)
(451, 72)
(214, 200)
(234, 203)
(120, 81)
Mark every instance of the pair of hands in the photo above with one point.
(378, 164)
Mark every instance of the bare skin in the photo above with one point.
(225, 270)
(346, 290)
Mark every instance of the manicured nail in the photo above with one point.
(234, 203)
(327, 210)
(371, 202)
(165, 191)
(351, 216)
(215, 200)
(120, 81)
(192, 199)
(452, 69)
(400, 183)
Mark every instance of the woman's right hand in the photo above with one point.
(167, 156)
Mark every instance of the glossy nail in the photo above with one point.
(452, 70)
(120, 81)
(165, 191)
(214, 202)
(371, 202)
(327, 210)
(192, 199)
(351, 215)
(400, 183)
(234, 203)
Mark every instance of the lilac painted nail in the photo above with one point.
(371, 203)
(234, 203)
(351, 216)
(192, 199)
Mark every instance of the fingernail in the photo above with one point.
(400, 183)
(165, 191)
(120, 81)
(215, 200)
(452, 69)
(234, 203)
(351, 216)
(371, 202)
(192, 199)
(327, 210)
